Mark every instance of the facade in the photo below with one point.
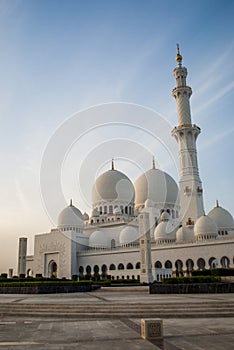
(146, 230)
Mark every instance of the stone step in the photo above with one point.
(117, 315)
(108, 311)
(102, 306)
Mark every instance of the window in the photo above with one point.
(112, 243)
(120, 266)
(158, 265)
(138, 265)
(112, 267)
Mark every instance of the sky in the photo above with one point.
(106, 68)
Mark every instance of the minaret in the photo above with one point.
(22, 255)
(145, 248)
(186, 133)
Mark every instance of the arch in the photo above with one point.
(138, 265)
(179, 268)
(129, 266)
(96, 269)
(104, 268)
(213, 262)
(52, 269)
(81, 270)
(120, 266)
(201, 264)
(168, 264)
(190, 264)
(88, 270)
(158, 265)
(225, 262)
(29, 273)
(112, 267)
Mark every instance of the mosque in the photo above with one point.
(146, 231)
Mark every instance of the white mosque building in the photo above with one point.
(146, 230)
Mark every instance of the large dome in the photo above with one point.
(70, 217)
(222, 217)
(156, 186)
(113, 186)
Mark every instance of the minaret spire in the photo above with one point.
(153, 163)
(182, 92)
(186, 135)
(112, 164)
(178, 56)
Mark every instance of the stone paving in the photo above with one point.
(34, 333)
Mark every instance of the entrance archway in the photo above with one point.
(52, 269)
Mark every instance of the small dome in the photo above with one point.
(165, 216)
(222, 217)
(113, 186)
(128, 235)
(205, 227)
(155, 186)
(185, 234)
(164, 231)
(98, 239)
(86, 217)
(94, 213)
(70, 217)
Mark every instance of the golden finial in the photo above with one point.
(153, 163)
(178, 56)
(70, 202)
(217, 203)
(112, 164)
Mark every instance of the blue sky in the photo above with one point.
(60, 57)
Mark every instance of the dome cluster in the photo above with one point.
(116, 203)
